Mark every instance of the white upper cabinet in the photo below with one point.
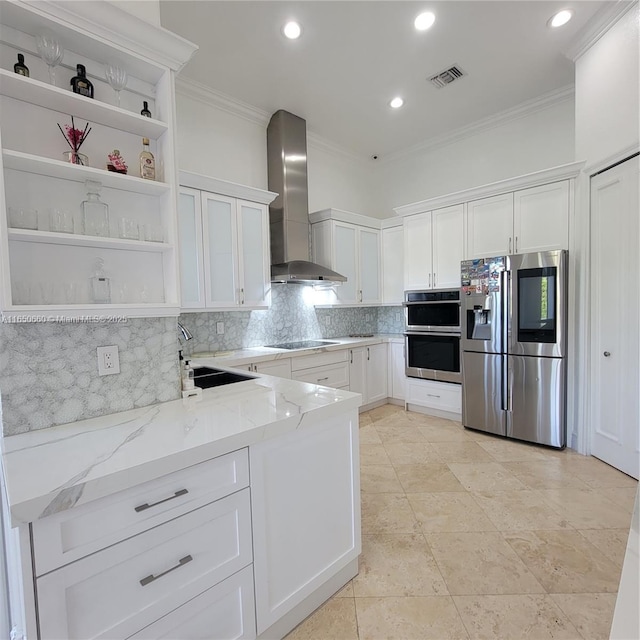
(48, 254)
(433, 248)
(541, 218)
(351, 249)
(392, 265)
(535, 219)
(224, 246)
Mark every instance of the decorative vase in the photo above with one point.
(75, 157)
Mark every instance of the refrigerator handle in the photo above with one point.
(507, 325)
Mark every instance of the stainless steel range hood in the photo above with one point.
(289, 212)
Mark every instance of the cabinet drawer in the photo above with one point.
(332, 375)
(72, 534)
(120, 590)
(437, 395)
(319, 359)
(228, 608)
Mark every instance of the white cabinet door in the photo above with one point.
(305, 501)
(393, 265)
(228, 608)
(279, 368)
(397, 391)
(357, 372)
(418, 262)
(490, 226)
(191, 258)
(376, 370)
(541, 218)
(448, 243)
(369, 265)
(253, 254)
(220, 242)
(615, 315)
(345, 259)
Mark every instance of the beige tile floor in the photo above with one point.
(469, 536)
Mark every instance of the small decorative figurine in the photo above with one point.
(116, 162)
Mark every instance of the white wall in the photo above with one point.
(607, 105)
(537, 141)
(232, 146)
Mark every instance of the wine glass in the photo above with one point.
(117, 77)
(51, 52)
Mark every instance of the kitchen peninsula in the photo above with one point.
(115, 515)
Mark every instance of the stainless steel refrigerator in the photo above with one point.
(514, 346)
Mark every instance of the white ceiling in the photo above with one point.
(353, 57)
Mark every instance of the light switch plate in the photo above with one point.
(108, 360)
(219, 328)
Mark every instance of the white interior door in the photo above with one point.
(615, 388)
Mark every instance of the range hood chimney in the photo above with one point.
(289, 212)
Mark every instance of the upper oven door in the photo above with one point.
(432, 311)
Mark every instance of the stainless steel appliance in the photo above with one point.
(432, 335)
(514, 345)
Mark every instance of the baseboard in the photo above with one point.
(448, 415)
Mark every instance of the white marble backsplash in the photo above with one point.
(49, 371)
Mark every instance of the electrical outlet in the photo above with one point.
(367, 317)
(219, 328)
(108, 360)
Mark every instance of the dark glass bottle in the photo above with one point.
(20, 67)
(145, 110)
(81, 84)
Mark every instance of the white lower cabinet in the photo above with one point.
(306, 513)
(368, 372)
(441, 396)
(224, 611)
(278, 368)
(329, 369)
(118, 591)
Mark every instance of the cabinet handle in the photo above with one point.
(434, 279)
(241, 296)
(360, 292)
(145, 506)
(351, 356)
(149, 579)
(323, 379)
(606, 354)
(509, 245)
(429, 280)
(368, 354)
(516, 246)
(433, 395)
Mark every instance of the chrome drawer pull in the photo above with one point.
(177, 494)
(149, 579)
(433, 395)
(321, 379)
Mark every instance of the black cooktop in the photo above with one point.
(302, 344)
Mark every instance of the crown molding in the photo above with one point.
(611, 160)
(554, 174)
(540, 103)
(345, 216)
(599, 24)
(323, 144)
(114, 25)
(225, 187)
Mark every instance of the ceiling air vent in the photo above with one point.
(446, 77)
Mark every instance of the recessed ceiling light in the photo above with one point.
(424, 21)
(396, 103)
(562, 17)
(292, 30)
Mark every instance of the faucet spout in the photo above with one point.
(186, 334)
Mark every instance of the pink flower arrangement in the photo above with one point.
(75, 137)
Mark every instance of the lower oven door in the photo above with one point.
(433, 356)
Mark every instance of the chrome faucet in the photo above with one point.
(186, 334)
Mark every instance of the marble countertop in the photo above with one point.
(264, 354)
(50, 470)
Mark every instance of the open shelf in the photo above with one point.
(75, 240)
(39, 93)
(78, 173)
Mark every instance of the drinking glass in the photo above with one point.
(61, 220)
(51, 52)
(117, 77)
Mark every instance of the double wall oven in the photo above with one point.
(432, 335)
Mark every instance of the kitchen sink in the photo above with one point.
(206, 377)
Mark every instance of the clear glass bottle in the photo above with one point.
(147, 162)
(95, 214)
(80, 83)
(100, 284)
(21, 68)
